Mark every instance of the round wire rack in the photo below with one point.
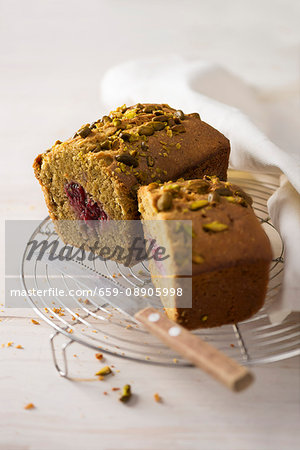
(93, 323)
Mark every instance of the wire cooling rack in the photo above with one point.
(94, 324)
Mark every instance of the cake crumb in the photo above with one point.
(175, 360)
(232, 345)
(157, 397)
(9, 344)
(99, 356)
(35, 322)
(19, 346)
(115, 389)
(29, 406)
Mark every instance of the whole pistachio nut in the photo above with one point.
(164, 202)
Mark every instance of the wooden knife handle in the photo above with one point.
(195, 350)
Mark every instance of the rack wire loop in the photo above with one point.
(63, 372)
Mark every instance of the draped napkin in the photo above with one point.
(229, 105)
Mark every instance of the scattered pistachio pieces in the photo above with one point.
(103, 372)
(130, 114)
(179, 114)
(195, 116)
(157, 126)
(117, 123)
(146, 130)
(127, 159)
(144, 146)
(213, 197)
(245, 196)
(215, 226)
(160, 118)
(231, 199)
(84, 131)
(150, 161)
(223, 191)
(126, 393)
(198, 204)
(106, 119)
(178, 128)
(125, 136)
(152, 185)
(199, 186)
(171, 187)
(204, 318)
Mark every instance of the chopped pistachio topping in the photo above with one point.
(215, 226)
(130, 114)
(84, 131)
(198, 204)
(172, 187)
(117, 122)
(146, 130)
(164, 202)
(231, 199)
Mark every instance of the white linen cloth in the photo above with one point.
(182, 84)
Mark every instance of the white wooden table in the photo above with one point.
(52, 57)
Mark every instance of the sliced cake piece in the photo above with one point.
(95, 175)
(231, 253)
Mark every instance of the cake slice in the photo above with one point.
(231, 253)
(95, 175)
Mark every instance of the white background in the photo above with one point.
(52, 57)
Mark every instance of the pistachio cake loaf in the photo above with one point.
(231, 253)
(95, 175)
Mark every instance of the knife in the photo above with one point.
(189, 346)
